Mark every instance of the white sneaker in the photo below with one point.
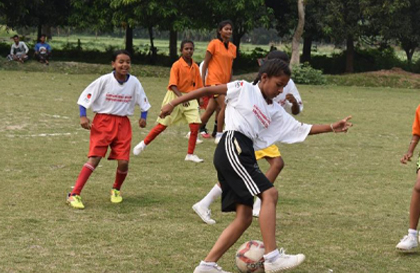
(199, 141)
(256, 213)
(205, 214)
(283, 262)
(139, 148)
(209, 269)
(193, 158)
(217, 140)
(407, 243)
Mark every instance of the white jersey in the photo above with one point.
(248, 113)
(20, 48)
(290, 88)
(107, 96)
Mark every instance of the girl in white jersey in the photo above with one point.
(112, 97)
(253, 120)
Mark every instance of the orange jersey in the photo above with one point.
(416, 123)
(186, 78)
(220, 65)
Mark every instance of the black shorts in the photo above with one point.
(238, 171)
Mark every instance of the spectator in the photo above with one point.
(18, 51)
(42, 50)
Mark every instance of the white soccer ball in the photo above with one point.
(249, 257)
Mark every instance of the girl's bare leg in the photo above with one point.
(268, 218)
(415, 204)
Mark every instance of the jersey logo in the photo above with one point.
(89, 96)
(239, 84)
(265, 122)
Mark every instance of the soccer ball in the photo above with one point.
(249, 257)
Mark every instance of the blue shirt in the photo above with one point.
(42, 48)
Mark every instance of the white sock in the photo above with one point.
(257, 204)
(412, 232)
(207, 263)
(218, 134)
(272, 256)
(214, 193)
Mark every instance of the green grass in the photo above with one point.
(343, 199)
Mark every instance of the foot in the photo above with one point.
(209, 269)
(205, 134)
(139, 148)
(256, 213)
(283, 262)
(204, 213)
(75, 201)
(408, 243)
(199, 141)
(193, 158)
(116, 196)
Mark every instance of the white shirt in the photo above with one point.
(20, 48)
(289, 89)
(248, 113)
(107, 96)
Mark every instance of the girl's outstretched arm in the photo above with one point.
(205, 91)
(340, 126)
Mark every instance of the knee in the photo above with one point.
(247, 220)
(417, 186)
(270, 195)
(123, 165)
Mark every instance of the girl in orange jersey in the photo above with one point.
(185, 77)
(216, 70)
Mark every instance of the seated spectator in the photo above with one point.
(18, 51)
(42, 50)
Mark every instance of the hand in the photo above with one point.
(186, 104)
(166, 110)
(342, 125)
(85, 123)
(291, 98)
(142, 123)
(406, 157)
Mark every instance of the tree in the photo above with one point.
(298, 33)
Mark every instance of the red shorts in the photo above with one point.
(206, 100)
(109, 130)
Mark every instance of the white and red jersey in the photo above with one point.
(107, 96)
(290, 88)
(248, 113)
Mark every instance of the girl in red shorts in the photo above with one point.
(112, 98)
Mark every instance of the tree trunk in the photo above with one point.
(409, 53)
(152, 45)
(172, 45)
(46, 29)
(237, 36)
(307, 47)
(350, 54)
(298, 33)
(129, 39)
(39, 30)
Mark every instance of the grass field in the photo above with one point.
(343, 198)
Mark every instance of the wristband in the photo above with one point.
(82, 111)
(332, 128)
(143, 115)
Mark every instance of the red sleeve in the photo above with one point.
(416, 123)
(174, 76)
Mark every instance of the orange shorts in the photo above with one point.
(113, 131)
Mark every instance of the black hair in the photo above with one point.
(273, 68)
(186, 42)
(222, 25)
(15, 36)
(118, 52)
(277, 54)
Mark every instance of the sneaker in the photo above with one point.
(205, 214)
(116, 196)
(283, 262)
(193, 158)
(407, 243)
(209, 269)
(204, 133)
(139, 148)
(75, 201)
(217, 140)
(199, 141)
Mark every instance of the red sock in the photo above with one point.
(119, 179)
(86, 171)
(193, 137)
(154, 133)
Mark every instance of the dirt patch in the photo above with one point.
(394, 71)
